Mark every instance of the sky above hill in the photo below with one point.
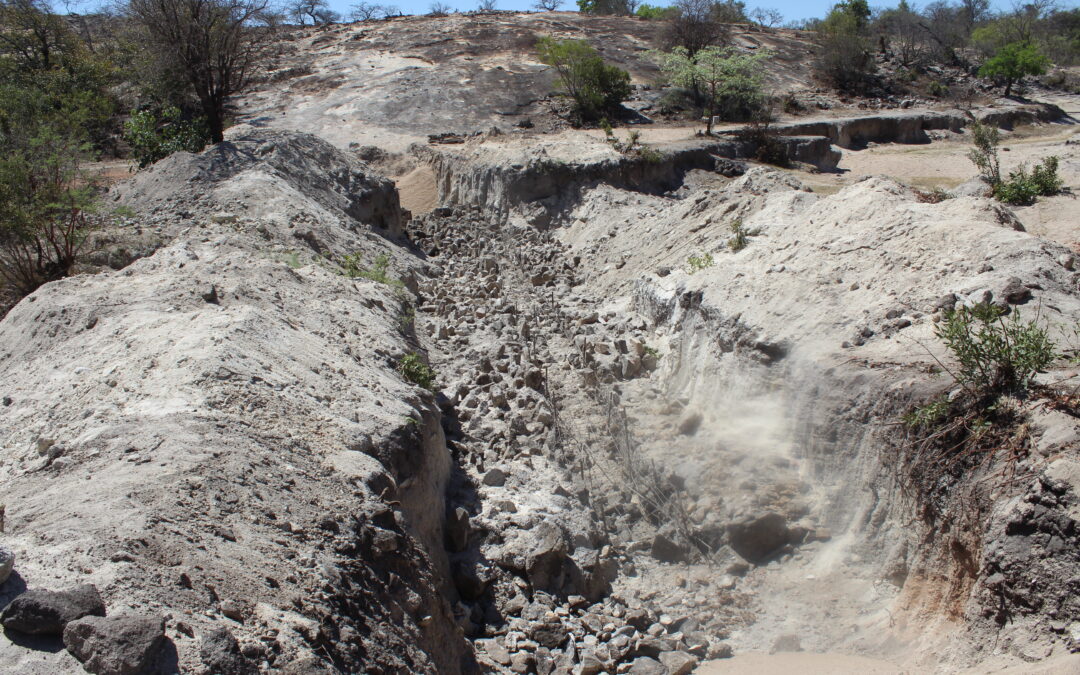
(793, 10)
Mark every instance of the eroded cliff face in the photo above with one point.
(218, 432)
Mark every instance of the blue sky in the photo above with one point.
(792, 10)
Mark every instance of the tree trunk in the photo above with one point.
(1008, 86)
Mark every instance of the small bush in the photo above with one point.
(1022, 187)
(995, 354)
(928, 415)
(696, 263)
(378, 272)
(937, 89)
(413, 369)
(984, 154)
(153, 137)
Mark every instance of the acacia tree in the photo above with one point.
(729, 81)
(216, 43)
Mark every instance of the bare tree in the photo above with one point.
(485, 6)
(694, 26)
(547, 5)
(767, 17)
(439, 9)
(318, 11)
(388, 11)
(364, 11)
(215, 43)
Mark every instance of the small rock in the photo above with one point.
(116, 645)
(495, 478)
(666, 550)
(221, 654)
(44, 612)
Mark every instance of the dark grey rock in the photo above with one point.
(44, 612)
(221, 654)
(759, 539)
(666, 550)
(116, 645)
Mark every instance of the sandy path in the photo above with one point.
(801, 663)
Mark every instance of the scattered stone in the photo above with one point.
(116, 645)
(44, 612)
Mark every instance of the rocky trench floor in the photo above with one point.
(570, 552)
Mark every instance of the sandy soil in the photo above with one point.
(418, 191)
(799, 662)
(830, 664)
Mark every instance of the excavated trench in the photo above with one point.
(650, 476)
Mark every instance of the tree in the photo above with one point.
(54, 105)
(767, 17)
(595, 86)
(654, 12)
(547, 5)
(694, 26)
(439, 9)
(216, 43)
(903, 26)
(843, 57)
(485, 6)
(729, 81)
(600, 7)
(318, 11)
(364, 11)
(1014, 61)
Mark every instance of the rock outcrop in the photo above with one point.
(228, 437)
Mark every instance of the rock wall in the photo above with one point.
(218, 432)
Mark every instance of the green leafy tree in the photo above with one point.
(1013, 62)
(54, 106)
(154, 137)
(595, 86)
(730, 82)
(654, 12)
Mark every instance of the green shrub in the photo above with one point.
(154, 137)
(654, 12)
(994, 353)
(937, 89)
(378, 272)
(1022, 187)
(984, 153)
(928, 415)
(412, 368)
(595, 86)
(739, 238)
(696, 263)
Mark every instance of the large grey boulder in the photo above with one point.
(44, 612)
(116, 645)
